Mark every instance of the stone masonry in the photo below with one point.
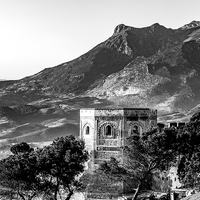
(105, 130)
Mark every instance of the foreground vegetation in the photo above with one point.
(50, 172)
(159, 150)
(144, 157)
(53, 172)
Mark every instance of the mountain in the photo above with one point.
(154, 66)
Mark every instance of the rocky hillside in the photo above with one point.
(192, 197)
(153, 66)
(153, 63)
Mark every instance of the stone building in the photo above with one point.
(105, 130)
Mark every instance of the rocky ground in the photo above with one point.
(192, 197)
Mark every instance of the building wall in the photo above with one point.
(122, 123)
(87, 120)
(173, 175)
(108, 132)
(144, 119)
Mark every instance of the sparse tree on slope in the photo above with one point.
(22, 147)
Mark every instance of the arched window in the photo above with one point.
(87, 130)
(108, 130)
(135, 130)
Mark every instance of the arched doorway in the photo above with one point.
(87, 130)
(108, 130)
(135, 130)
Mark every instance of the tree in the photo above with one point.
(50, 172)
(22, 147)
(61, 164)
(143, 157)
(20, 176)
(189, 150)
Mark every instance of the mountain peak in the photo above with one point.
(156, 24)
(120, 28)
(192, 24)
(157, 27)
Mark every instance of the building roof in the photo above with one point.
(113, 108)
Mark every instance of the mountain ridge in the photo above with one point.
(153, 66)
(119, 43)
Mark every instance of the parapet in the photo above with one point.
(125, 112)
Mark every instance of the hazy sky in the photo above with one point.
(36, 34)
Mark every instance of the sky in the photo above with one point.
(37, 34)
